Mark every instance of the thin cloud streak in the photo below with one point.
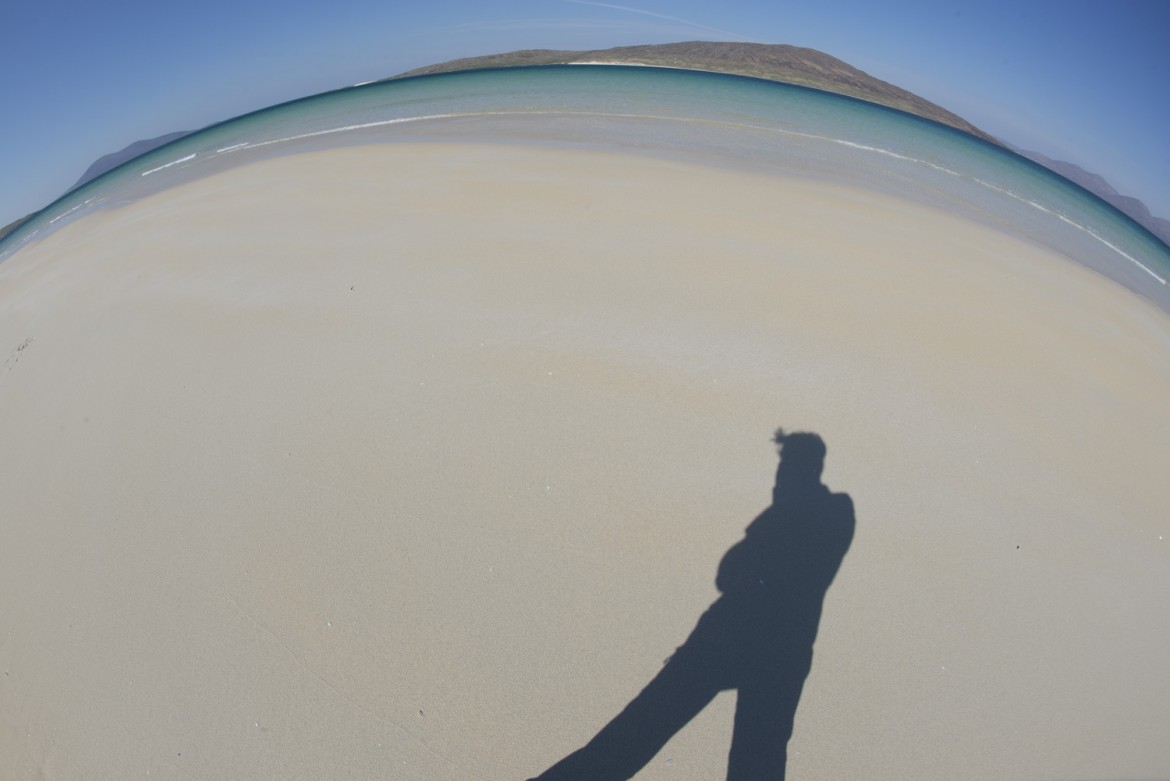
(657, 15)
(681, 29)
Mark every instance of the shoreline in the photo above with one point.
(753, 153)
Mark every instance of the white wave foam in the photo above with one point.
(168, 165)
(65, 214)
(889, 153)
(240, 145)
(629, 64)
(1003, 191)
(1078, 226)
(363, 126)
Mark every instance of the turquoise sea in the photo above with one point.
(726, 120)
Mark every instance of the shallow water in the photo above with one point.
(728, 120)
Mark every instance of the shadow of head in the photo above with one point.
(802, 459)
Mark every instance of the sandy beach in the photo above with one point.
(416, 461)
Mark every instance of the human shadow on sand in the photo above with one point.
(756, 638)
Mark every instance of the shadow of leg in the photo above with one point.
(764, 715)
(630, 741)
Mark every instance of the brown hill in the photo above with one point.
(776, 62)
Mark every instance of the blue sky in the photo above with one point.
(1082, 81)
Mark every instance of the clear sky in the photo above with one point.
(1082, 81)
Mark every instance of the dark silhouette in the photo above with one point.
(757, 637)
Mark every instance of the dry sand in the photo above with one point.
(416, 461)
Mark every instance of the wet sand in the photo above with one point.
(416, 461)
